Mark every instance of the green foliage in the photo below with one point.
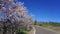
(35, 22)
(22, 31)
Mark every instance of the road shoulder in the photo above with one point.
(32, 31)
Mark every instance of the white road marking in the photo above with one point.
(34, 30)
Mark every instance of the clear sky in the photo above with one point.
(44, 10)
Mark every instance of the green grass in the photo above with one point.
(52, 24)
(22, 31)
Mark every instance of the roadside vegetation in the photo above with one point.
(22, 31)
(56, 24)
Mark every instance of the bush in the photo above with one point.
(40, 24)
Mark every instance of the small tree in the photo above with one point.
(35, 22)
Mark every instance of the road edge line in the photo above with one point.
(34, 30)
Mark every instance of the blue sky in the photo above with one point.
(44, 10)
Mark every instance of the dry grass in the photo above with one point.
(31, 32)
(56, 28)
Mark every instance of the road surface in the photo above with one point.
(39, 30)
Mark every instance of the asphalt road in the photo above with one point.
(43, 31)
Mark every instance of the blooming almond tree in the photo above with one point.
(15, 17)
